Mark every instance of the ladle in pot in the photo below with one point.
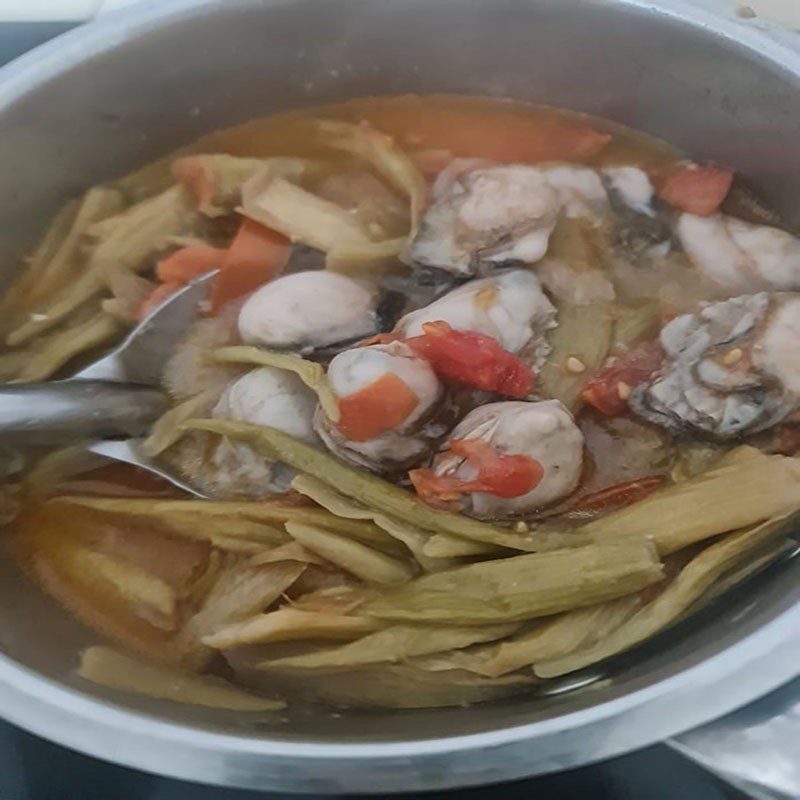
(114, 397)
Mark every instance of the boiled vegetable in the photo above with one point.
(239, 592)
(67, 343)
(304, 217)
(397, 643)
(384, 686)
(690, 584)
(362, 561)
(523, 587)
(584, 334)
(745, 488)
(288, 624)
(107, 667)
(380, 151)
(126, 242)
(167, 429)
(216, 180)
(562, 635)
(415, 539)
(371, 490)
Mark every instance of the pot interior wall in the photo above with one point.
(121, 103)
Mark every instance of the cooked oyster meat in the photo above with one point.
(388, 399)
(533, 452)
(730, 369)
(642, 223)
(310, 310)
(580, 190)
(510, 307)
(487, 218)
(630, 187)
(739, 256)
(271, 397)
(490, 217)
(265, 396)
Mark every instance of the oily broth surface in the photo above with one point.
(417, 122)
(420, 122)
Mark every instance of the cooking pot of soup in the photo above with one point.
(478, 455)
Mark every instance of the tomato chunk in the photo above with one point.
(608, 392)
(189, 262)
(256, 255)
(379, 407)
(698, 190)
(501, 475)
(473, 360)
(623, 494)
(504, 136)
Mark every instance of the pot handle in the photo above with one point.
(76, 409)
(755, 749)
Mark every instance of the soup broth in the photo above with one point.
(482, 394)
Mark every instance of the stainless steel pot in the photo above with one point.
(110, 96)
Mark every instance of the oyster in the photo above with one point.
(579, 190)
(265, 396)
(310, 310)
(643, 226)
(544, 431)
(732, 368)
(630, 187)
(484, 219)
(740, 256)
(510, 307)
(391, 441)
(487, 217)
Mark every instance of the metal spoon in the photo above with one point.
(116, 396)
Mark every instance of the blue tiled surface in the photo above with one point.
(32, 769)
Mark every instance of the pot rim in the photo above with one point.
(668, 706)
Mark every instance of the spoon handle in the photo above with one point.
(77, 409)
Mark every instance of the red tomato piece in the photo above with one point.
(256, 255)
(188, 263)
(608, 392)
(375, 409)
(441, 490)
(697, 190)
(473, 360)
(623, 494)
(501, 475)
(505, 136)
